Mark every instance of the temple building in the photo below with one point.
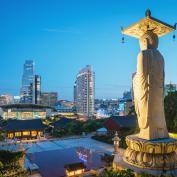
(25, 111)
(120, 123)
(61, 124)
(24, 129)
(75, 169)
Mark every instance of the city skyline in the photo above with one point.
(72, 35)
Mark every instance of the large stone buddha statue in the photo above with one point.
(148, 87)
(152, 150)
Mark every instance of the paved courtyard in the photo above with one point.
(48, 145)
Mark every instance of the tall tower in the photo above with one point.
(85, 91)
(37, 90)
(75, 93)
(26, 92)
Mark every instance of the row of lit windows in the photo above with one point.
(25, 133)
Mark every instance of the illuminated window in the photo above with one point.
(26, 133)
(69, 173)
(10, 135)
(75, 169)
(33, 133)
(18, 134)
(78, 172)
(73, 173)
(40, 133)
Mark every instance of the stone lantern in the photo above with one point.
(22, 159)
(116, 140)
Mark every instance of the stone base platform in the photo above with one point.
(152, 156)
(119, 164)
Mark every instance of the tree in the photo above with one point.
(75, 127)
(127, 173)
(91, 125)
(9, 164)
(170, 106)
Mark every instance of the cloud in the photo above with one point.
(64, 30)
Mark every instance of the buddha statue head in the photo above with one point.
(149, 40)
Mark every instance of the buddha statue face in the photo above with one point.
(149, 41)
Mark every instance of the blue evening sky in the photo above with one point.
(62, 36)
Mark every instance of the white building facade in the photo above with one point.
(84, 93)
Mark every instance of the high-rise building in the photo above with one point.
(6, 99)
(16, 99)
(31, 84)
(75, 93)
(127, 95)
(26, 93)
(124, 107)
(85, 91)
(37, 89)
(49, 98)
(169, 88)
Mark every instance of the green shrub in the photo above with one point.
(9, 164)
(117, 173)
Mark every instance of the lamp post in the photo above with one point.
(116, 140)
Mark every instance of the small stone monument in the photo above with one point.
(116, 140)
(151, 150)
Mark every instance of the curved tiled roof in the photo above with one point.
(21, 125)
(125, 121)
(74, 166)
(61, 123)
(34, 106)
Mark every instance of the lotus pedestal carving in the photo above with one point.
(151, 154)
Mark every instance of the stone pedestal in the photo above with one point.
(156, 157)
(151, 154)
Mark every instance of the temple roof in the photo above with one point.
(125, 121)
(20, 105)
(21, 125)
(74, 166)
(121, 121)
(62, 122)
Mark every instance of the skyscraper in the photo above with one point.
(169, 88)
(75, 93)
(84, 90)
(6, 99)
(37, 90)
(26, 93)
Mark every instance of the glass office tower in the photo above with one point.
(26, 93)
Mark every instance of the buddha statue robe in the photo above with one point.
(148, 88)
